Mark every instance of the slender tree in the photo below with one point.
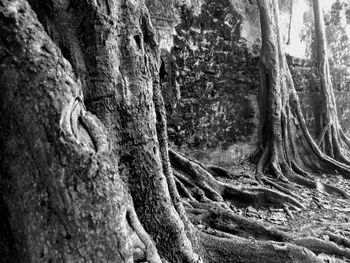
(332, 140)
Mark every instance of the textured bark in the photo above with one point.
(287, 148)
(112, 48)
(332, 139)
(59, 180)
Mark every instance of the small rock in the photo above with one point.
(251, 210)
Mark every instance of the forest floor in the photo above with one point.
(324, 214)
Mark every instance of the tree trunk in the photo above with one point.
(332, 139)
(286, 145)
(59, 181)
(113, 52)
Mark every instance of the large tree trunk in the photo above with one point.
(113, 52)
(59, 180)
(332, 139)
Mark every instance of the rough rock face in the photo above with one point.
(211, 77)
(218, 77)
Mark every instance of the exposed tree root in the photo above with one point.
(217, 171)
(321, 246)
(219, 224)
(206, 208)
(143, 247)
(288, 212)
(200, 184)
(237, 249)
(205, 201)
(339, 240)
(332, 140)
(225, 220)
(279, 187)
(227, 237)
(286, 161)
(287, 149)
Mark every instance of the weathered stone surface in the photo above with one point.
(213, 65)
(218, 77)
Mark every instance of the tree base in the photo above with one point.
(208, 198)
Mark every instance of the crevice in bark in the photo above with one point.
(8, 251)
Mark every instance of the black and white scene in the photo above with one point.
(174, 131)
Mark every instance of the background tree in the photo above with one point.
(332, 139)
(336, 23)
(286, 145)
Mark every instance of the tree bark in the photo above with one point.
(59, 181)
(332, 139)
(286, 145)
(121, 79)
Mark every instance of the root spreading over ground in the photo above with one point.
(228, 213)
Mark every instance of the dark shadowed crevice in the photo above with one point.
(138, 41)
(8, 251)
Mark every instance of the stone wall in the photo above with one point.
(218, 78)
(210, 73)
